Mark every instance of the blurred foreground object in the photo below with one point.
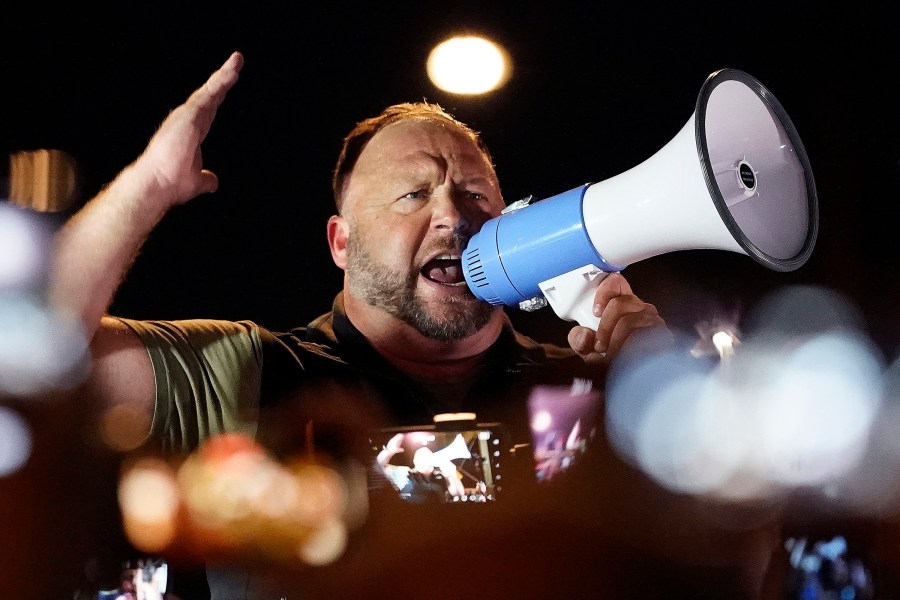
(231, 500)
(827, 569)
(44, 180)
(799, 406)
(44, 359)
(41, 349)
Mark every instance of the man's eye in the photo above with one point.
(476, 196)
(417, 195)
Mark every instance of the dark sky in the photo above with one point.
(596, 90)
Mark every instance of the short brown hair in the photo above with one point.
(365, 130)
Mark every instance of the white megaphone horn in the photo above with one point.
(736, 177)
(454, 450)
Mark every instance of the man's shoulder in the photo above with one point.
(194, 326)
(193, 333)
(316, 347)
(304, 341)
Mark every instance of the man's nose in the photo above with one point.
(450, 213)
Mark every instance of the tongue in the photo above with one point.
(444, 271)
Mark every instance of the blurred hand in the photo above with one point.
(395, 444)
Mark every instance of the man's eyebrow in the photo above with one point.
(478, 179)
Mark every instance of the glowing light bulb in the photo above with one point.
(724, 343)
(468, 65)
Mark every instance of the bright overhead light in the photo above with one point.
(468, 65)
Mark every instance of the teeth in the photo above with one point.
(447, 257)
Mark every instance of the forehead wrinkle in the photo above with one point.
(423, 163)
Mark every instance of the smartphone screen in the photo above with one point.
(563, 421)
(448, 464)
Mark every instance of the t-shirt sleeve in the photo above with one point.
(208, 378)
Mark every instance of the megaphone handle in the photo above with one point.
(572, 294)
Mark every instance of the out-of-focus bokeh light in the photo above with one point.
(875, 490)
(724, 342)
(23, 244)
(324, 493)
(468, 65)
(44, 180)
(40, 349)
(231, 497)
(688, 438)
(541, 421)
(798, 407)
(816, 410)
(717, 336)
(15, 441)
(149, 500)
(325, 545)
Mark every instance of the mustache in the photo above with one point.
(452, 241)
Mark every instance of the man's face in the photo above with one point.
(420, 189)
(423, 461)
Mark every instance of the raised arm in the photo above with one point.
(95, 248)
(98, 244)
(393, 447)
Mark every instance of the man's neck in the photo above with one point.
(419, 356)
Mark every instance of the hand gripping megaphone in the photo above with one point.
(736, 177)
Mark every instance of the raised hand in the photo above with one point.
(171, 167)
(97, 245)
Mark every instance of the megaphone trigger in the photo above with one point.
(572, 294)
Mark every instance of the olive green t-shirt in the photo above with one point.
(210, 379)
(208, 375)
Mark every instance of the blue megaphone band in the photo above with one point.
(505, 261)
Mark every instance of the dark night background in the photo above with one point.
(596, 90)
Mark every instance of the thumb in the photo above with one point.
(207, 183)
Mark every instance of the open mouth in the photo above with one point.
(445, 269)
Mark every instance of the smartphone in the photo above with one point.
(447, 463)
(563, 423)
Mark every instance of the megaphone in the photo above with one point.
(736, 177)
(454, 450)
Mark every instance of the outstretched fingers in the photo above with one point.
(211, 94)
(173, 160)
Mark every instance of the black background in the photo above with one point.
(596, 90)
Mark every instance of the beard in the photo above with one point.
(446, 319)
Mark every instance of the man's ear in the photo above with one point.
(338, 230)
